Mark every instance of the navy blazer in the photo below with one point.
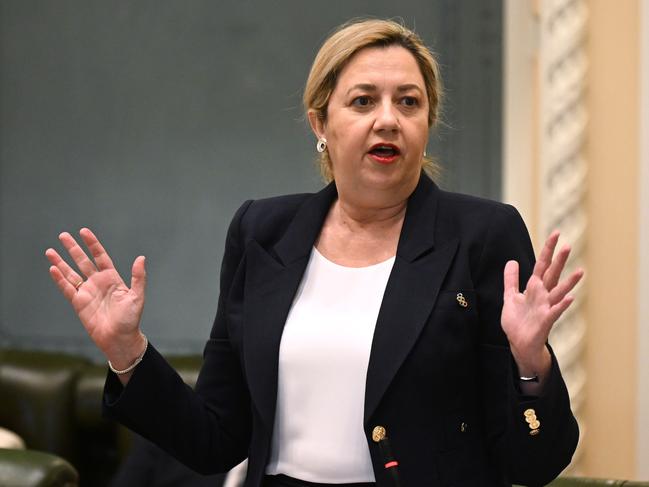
(441, 378)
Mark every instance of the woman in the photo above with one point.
(379, 309)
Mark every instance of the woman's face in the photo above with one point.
(377, 125)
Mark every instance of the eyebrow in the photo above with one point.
(372, 87)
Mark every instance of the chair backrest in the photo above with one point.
(54, 402)
(37, 390)
(20, 468)
(590, 482)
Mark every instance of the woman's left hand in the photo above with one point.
(527, 318)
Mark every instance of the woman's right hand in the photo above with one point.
(109, 310)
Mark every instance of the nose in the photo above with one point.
(387, 117)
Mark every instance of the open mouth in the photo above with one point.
(384, 153)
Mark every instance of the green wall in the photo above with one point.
(151, 121)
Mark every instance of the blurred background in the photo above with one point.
(152, 121)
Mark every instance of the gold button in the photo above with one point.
(535, 425)
(530, 419)
(461, 300)
(464, 427)
(529, 412)
(534, 432)
(378, 433)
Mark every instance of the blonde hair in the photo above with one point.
(342, 45)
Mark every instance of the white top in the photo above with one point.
(323, 358)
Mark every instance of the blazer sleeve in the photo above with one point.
(529, 458)
(208, 428)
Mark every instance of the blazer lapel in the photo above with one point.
(272, 279)
(419, 269)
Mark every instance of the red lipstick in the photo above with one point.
(384, 153)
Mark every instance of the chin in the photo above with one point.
(395, 178)
(393, 184)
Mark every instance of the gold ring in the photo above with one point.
(78, 285)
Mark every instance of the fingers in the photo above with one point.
(138, 276)
(102, 259)
(61, 270)
(85, 265)
(548, 268)
(545, 257)
(67, 289)
(552, 275)
(563, 288)
(64, 271)
(557, 310)
(510, 278)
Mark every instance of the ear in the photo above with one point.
(317, 124)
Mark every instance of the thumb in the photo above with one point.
(138, 276)
(510, 279)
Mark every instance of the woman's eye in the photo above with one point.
(361, 101)
(409, 101)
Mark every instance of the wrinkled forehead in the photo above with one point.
(386, 67)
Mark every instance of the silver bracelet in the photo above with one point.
(533, 378)
(134, 364)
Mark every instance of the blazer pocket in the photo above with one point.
(455, 320)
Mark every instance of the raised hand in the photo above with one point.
(527, 318)
(109, 310)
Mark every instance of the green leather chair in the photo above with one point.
(30, 468)
(589, 482)
(53, 401)
(585, 482)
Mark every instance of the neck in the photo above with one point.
(357, 217)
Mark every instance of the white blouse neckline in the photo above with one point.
(387, 262)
